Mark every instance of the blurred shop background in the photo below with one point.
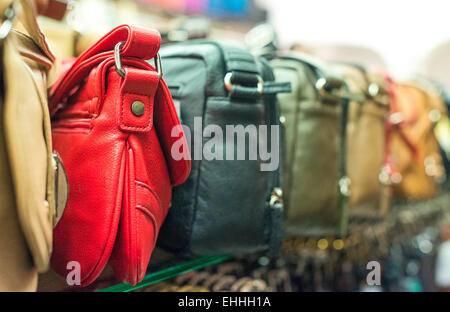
(405, 37)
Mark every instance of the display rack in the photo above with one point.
(405, 220)
(167, 271)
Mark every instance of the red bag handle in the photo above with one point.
(138, 43)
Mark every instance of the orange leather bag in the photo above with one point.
(417, 167)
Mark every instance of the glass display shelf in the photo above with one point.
(168, 270)
(162, 266)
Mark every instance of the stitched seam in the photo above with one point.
(146, 210)
(150, 190)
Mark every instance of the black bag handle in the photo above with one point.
(242, 78)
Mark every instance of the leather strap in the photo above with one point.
(321, 69)
(343, 197)
(140, 43)
(268, 88)
(333, 91)
(138, 86)
(382, 93)
(273, 87)
(275, 228)
(236, 61)
(246, 77)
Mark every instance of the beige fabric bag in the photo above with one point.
(27, 169)
(366, 141)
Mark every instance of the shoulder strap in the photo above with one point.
(243, 79)
(330, 86)
(321, 69)
(238, 60)
(344, 183)
(137, 43)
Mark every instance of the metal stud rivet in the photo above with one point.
(138, 108)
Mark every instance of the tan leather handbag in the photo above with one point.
(27, 178)
(416, 109)
(367, 114)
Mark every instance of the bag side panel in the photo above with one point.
(186, 79)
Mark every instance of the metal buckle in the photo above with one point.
(229, 85)
(118, 61)
(6, 26)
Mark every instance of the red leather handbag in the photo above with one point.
(112, 117)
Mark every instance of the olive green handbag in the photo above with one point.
(315, 185)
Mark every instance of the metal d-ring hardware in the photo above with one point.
(345, 186)
(118, 61)
(229, 85)
(334, 89)
(6, 26)
(61, 188)
(325, 88)
(276, 197)
(373, 89)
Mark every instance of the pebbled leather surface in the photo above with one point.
(222, 207)
(119, 167)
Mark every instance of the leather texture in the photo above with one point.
(416, 109)
(27, 179)
(366, 140)
(120, 167)
(224, 205)
(314, 156)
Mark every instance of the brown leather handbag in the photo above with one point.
(27, 168)
(367, 114)
(418, 168)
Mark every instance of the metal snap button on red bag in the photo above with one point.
(112, 116)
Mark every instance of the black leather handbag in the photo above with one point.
(227, 205)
